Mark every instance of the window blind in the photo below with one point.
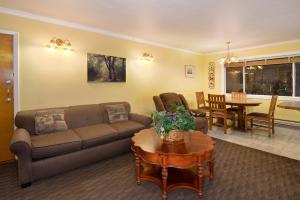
(267, 61)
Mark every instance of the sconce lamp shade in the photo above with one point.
(148, 57)
(52, 44)
(60, 43)
(67, 45)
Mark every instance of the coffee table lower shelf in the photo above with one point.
(176, 178)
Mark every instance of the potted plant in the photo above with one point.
(170, 126)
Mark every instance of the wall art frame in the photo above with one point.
(103, 68)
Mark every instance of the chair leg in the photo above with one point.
(233, 121)
(273, 127)
(210, 122)
(225, 125)
(246, 124)
(269, 127)
(251, 126)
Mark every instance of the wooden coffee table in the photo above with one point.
(173, 166)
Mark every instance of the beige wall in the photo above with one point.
(51, 78)
(276, 49)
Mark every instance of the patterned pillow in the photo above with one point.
(47, 121)
(116, 113)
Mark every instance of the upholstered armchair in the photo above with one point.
(169, 101)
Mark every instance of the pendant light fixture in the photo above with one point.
(228, 58)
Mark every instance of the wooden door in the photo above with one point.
(6, 95)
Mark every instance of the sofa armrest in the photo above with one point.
(20, 141)
(21, 147)
(197, 113)
(145, 120)
(201, 124)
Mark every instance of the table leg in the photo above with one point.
(164, 174)
(200, 180)
(241, 118)
(211, 165)
(138, 169)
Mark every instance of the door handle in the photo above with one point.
(7, 85)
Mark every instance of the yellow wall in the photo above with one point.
(276, 49)
(50, 78)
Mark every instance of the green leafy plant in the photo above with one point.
(181, 119)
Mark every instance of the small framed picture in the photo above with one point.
(189, 71)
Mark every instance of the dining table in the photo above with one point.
(293, 105)
(241, 104)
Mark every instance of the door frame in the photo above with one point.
(15, 67)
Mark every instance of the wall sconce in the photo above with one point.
(60, 43)
(147, 57)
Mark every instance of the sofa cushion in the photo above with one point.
(54, 144)
(26, 119)
(48, 121)
(84, 115)
(96, 135)
(103, 110)
(127, 128)
(116, 113)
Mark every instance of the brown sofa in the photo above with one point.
(89, 138)
(167, 101)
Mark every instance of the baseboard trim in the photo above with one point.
(280, 122)
(284, 122)
(7, 162)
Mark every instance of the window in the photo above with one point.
(269, 79)
(279, 76)
(234, 79)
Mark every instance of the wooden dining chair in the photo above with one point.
(265, 117)
(217, 109)
(237, 96)
(201, 102)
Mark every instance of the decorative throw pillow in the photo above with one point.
(116, 113)
(47, 121)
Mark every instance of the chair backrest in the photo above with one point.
(273, 105)
(200, 99)
(184, 102)
(158, 104)
(169, 101)
(217, 103)
(238, 95)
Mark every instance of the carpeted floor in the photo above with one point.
(241, 174)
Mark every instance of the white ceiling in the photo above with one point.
(200, 26)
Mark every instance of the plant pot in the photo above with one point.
(174, 136)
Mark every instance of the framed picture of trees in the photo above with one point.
(102, 68)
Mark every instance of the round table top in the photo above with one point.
(293, 105)
(241, 102)
(195, 142)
